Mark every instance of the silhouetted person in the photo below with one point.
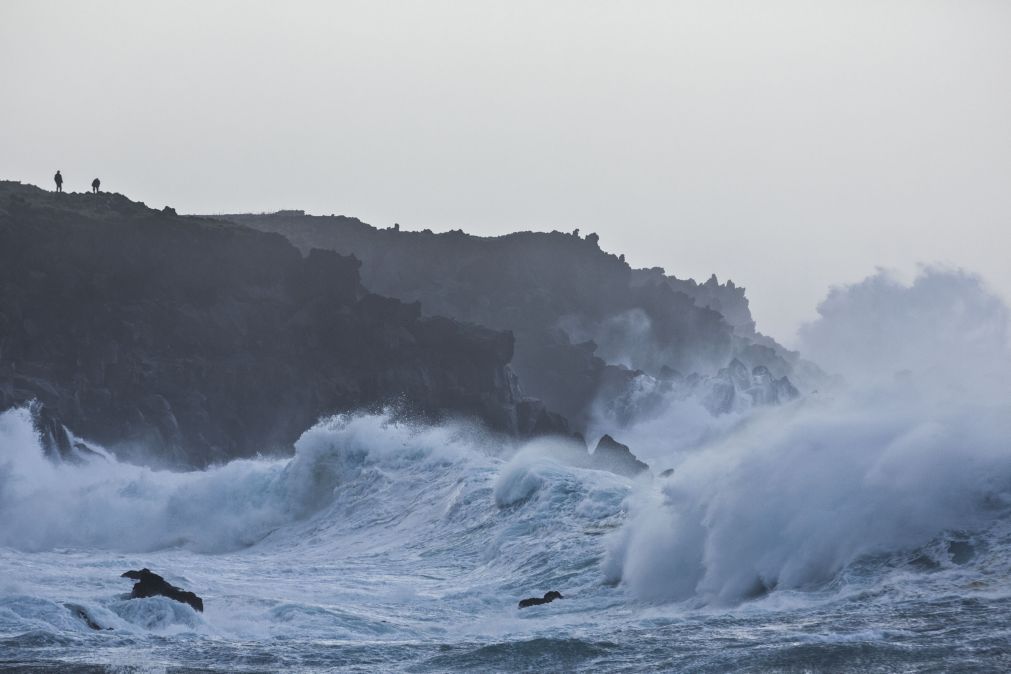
(95, 184)
(59, 181)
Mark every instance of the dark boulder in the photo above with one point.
(537, 601)
(618, 458)
(150, 584)
(84, 616)
(57, 442)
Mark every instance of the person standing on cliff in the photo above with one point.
(95, 184)
(59, 181)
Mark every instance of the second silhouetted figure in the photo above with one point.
(59, 181)
(95, 184)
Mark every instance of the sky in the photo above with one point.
(788, 146)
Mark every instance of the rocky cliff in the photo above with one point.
(585, 321)
(203, 340)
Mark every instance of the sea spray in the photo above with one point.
(375, 530)
(867, 523)
(890, 461)
(114, 505)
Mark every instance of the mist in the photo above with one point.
(505, 336)
(946, 325)
(789, 147)
(908, 449)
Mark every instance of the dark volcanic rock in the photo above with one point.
(584, 320)
(537, 601)
(57, 442)
(82, 614)
(618, 458)
(759, 386)
(201, 340)
(150, 584)
(608, 455)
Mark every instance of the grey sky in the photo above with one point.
(785, 145)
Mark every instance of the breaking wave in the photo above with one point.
(91, 503)
(380, 529)
(914, 446)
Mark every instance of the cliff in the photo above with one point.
(585, 322)
(203, 340)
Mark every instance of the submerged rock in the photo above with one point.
(734, 385)
(537, 601)
(84, 616)
(150, 584)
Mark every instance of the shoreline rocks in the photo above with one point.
(537, 601)
(150, 584)
(186, 341)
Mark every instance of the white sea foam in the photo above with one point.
(118, 506)
(384, 533)
(885, 463)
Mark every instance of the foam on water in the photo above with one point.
(374, 530)
(800, 493)
(865, 526)
(889, 461)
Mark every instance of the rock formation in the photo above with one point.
(618, 458)
(150, 584)
(537, 601)
(733, 388)
(82, 614)
(723, 392)
(584, 321)
(200, 340)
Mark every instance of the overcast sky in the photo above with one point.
(788, 146)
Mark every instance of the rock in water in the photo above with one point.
(733, 386)
(150, 584)
(82, 614)
(58, 443)
(613, 456)
(537, 601)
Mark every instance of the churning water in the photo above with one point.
(865, 527)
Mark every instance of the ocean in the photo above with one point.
(817, 536)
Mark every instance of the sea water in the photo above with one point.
(385, 546)
(864, 527)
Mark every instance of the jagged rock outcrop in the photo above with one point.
(723, 392)
(201, 340)
(613, 456)
(584, 321)
(734, 388)
(726, 298)
(539, 601)
(150, 584)
(58, 442)
(84, 615)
